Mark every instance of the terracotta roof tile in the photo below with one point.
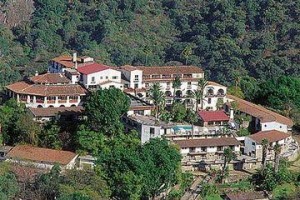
(260, 112)
(224, 141)
(271, 136)
(36, 154)
(51, 112)
(128, 68)
(66, 61)
(92, 68)
(168, 70)
(250, 195)
(210, 116)
(50, 78)
(214, 84)
(23, 87)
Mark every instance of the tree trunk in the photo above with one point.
(264, 158)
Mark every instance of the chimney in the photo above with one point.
(36, 73)
(75, 60)
(231, 117)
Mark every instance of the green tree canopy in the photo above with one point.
(104, 109)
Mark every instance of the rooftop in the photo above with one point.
(250, 195)
(207, 142)
(36, 154)
(24, 87)
(263, 114)
(271, 136)
(214, 84)
(92, 68)
(51, 112)
(168, 70)
(65, 60)
(138, 104)
(50, 78)
(128, 68)
(213, 116)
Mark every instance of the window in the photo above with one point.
(136, 77)
(189, 83)
(93, 79)
(168, 83)
(152, 132)
(114, 77)
(126, 85)
(209, 101)
(265, 125)
(106, 77)
(219, 149)
(136, 85)
(101, 77)
(253, 143)
(203, 149)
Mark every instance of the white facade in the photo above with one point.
(213, 93)
(98, 78)
(268, 126)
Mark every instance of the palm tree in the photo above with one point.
(176, 84)
(265, 145)
(198, 96)
(229, 155)
(277, 149)
(158, 98)
(201, 86)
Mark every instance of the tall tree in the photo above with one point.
(176, 85)
(199, 93)
(229, 155)
(277, 150)
(158, 98)
(104, 109)
(265, 146)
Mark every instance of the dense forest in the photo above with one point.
(244, 43)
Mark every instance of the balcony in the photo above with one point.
(40, 100)
(73, 100)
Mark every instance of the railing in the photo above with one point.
(40, 100)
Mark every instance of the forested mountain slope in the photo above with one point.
(235, 41)
(259, 38)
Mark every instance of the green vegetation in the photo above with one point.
(104, 109)
(229, 39)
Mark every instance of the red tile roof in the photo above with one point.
(128, 68)
(214, 84)
(50, 78)
(271, 136)
(250, 195)
(224, 141)
(169, 70)
(23, 87)
(51, 112)
(66, 61)
(36, 154)
(263, 114)
(92, 68)
(213, 116)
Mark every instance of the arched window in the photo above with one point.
(221, 92)
(210, 92)
(168, 93)
(178, 93)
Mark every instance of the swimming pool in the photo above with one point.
(184, 127)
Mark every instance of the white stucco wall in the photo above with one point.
(102, 76)
(267, 126)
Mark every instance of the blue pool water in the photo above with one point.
(186, 127)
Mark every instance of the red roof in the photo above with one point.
(271, 136)
(213, 116)
(36, 154)
(92, 68)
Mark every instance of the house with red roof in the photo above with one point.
(213, 118)
(41, 157)
(97, 75)
(254, 148)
